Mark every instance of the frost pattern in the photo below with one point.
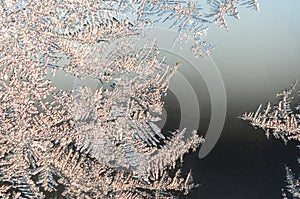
(94, 142)
(292, 189)
(283, 122)
(101, 20)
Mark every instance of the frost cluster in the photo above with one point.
(94, 142)
(283, 122)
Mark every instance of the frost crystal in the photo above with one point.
(292, 189)
(281, 120)
(102, 141)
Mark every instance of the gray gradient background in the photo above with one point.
(260, 53)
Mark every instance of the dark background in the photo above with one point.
(243, 165)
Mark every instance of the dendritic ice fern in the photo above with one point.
(292, 185)
(99, 142)
(283, 122)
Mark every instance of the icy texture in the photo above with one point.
(84, 142)
(124, 115)
(292, 189)
(81, 143)
(281, 120)
(104, 19)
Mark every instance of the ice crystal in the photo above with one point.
(90, 143)
(97, 142)
(281, 120)
(99, 20)
(292, 189)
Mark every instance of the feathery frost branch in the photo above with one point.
(283, 122)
